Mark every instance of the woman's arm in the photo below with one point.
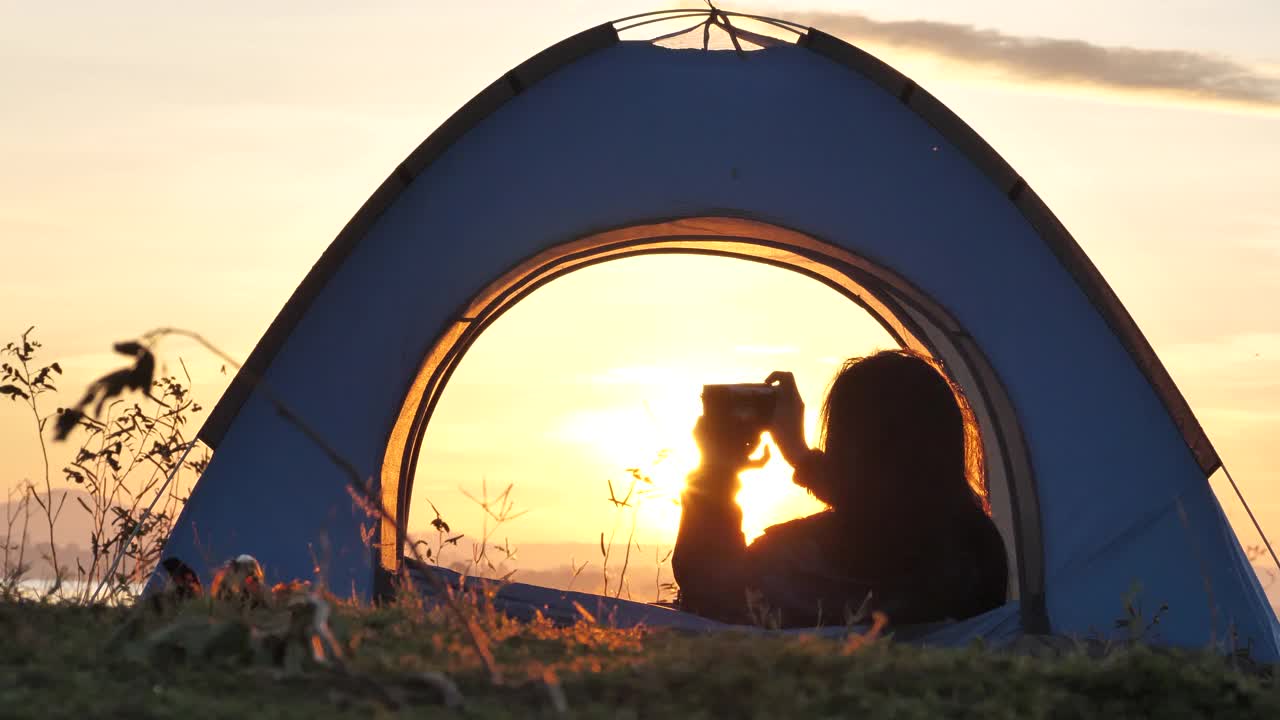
(787, 430)
(787, 427)
(710, 556)
(710, 553)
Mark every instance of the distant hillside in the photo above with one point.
(74, 526)
(554, 565)
(73, 532)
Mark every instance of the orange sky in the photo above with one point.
(172, 166)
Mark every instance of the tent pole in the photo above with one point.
(138, 526)
(1256, 525)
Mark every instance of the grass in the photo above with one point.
(207, 660)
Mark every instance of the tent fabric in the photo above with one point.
(996, 628)
(1107, 462)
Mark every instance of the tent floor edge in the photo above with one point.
(1035, 615)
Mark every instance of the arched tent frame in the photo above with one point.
(910, 318)
(918, 318)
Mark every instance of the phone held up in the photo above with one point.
(748, 406)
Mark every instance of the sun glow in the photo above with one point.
(769, 497)
(656, 441)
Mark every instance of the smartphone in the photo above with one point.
(747, 404)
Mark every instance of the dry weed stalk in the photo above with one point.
(658, 585)
(1254, 553)
(17, 506)
(639, 487)
(360, 490)
(118, 466)
(500, 510)
(857, 641)
(443, 538)
(22, 382)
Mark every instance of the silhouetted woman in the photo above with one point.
(904, 533)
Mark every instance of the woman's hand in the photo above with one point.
(727, 446)
(787, 427)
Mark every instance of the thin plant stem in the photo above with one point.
(137, 528)
(358, 489)
(51, 516)
(626, 558)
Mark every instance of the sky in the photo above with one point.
(178, 164)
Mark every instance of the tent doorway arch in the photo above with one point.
(910, 317)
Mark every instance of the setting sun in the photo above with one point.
(658, 444)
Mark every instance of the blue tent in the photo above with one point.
(808, 154)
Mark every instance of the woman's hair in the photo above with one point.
(900, 442)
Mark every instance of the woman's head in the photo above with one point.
(896, 440)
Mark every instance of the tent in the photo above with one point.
(807, 154)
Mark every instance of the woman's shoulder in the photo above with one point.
(987, 545)
(804, 525)
(792, 549)
(985, 532)
(793, 534)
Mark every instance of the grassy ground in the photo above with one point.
(206, 660)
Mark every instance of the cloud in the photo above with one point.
(1177, 74)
